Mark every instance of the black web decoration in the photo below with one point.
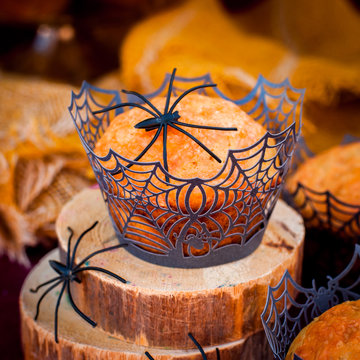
(321, 209)
(161, 121)
(290, 307)
(68, 273)
(192, 222)
(201, 350)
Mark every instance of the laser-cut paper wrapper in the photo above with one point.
(284, 316)
(323, 210)
(156, 217)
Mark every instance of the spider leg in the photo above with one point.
(197, 141)
(42, 297)
(187, 92)
(143, 98)
(45, 283)
(71, 265)
(164, 148)
(97, 252)
(151, 143)
(57, 311)
(217, 354)
(206, 127)
(79, 312)
(169, 91)
(123, 105)
(69, 244)
(148, 355)
(149, 123)
(150, 129)
(164, 151)
(198, 346)
(101, 270)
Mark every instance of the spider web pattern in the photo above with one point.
(284, 316)
(91, 98)
(195, 222)
(323, 210)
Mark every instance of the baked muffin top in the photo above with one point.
(186, 159)
(336, 170)
(333, 335)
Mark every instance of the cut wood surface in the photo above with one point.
(160, 305)
(78, 340)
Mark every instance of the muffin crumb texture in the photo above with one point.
(336, 170)
(334, 335)
(186, 159)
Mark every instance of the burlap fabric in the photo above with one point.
(42, 163)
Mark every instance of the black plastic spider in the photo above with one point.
(161, 121)
(197, 345)
(68, 273)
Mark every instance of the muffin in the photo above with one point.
(337, 171)
(333, 335)
(187, 160)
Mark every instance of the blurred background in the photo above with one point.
(49, 47)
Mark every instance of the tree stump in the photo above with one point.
(80, 341)
(159, 305)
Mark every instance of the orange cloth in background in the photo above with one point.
(42, 162)
(314, 44)
(197, 37)
(322, 38)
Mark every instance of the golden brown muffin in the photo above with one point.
(334, 335)
(185, 158)
(336, 170)
(188, 160)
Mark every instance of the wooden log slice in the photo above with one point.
(80, 341)
(160, 305)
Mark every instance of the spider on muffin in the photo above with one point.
(161, 121)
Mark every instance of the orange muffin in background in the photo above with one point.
(334, 335)
(336, 170)
(187, 160)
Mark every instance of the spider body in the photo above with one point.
(169, 117)
(63, 271)
(68, 273)
(154, 123)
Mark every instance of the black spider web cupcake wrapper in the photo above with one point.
(290, 307)
(323, 210)
(151, 209)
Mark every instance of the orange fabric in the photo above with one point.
(313, 43)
